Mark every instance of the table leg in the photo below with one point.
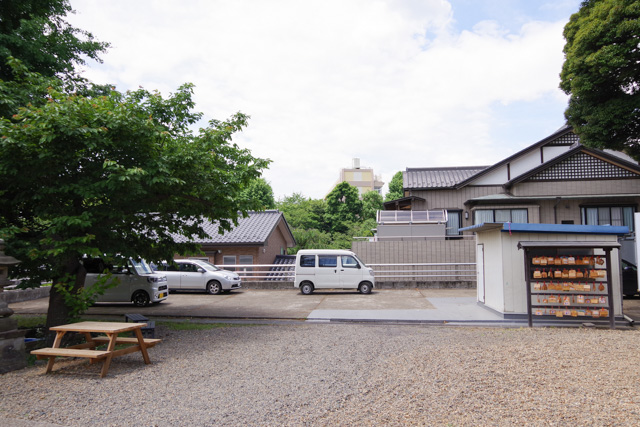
(143, 346)
(110, 348)
(88, 338)
(56, 344)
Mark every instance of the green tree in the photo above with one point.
(371, 204)
(601, 72)
(311, 239)
(113, 174)
(303, 213)
(343, 206)
(259, 195)
(36, 33)
(396, 190)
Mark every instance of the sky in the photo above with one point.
(395, 83)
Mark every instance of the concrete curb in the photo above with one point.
(19, 295)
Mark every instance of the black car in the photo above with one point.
(629, 279)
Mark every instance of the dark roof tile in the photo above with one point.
(417, 178)
(254, 229)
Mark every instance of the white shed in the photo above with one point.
(508, 257)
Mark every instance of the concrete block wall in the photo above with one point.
(422, 251)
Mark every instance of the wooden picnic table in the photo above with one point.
(88, 349)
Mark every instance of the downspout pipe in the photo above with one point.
(555, 210)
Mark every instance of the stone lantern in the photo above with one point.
(12, 355)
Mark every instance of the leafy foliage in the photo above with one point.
(314, 228)
(343, 206)
(396, 190)
(601, 73)
(259, 195)
(303, 213)
(120, 173)
(79, 300)
(36, 33)
(371, 204)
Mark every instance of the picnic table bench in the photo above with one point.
(88, 349)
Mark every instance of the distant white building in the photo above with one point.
(362, 178)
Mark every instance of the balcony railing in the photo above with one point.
(435, 216)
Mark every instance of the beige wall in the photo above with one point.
(422, 251)
(549, 211)
(576, 188)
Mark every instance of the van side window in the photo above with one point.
(327, 261)
(307, 260)
(348, 261)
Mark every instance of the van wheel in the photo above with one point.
(365, 288)
(306, 288)
(140, 299)
(214, 287)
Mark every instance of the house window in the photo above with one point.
(454, 223)
(246, 260)
(608, 215)
(500, 215)
(229, 260)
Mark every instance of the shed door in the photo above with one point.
(480, 271)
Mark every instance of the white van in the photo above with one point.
(138, 283)
(331, 269)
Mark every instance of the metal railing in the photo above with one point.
(435, 216)
(260, 272)
(408, 272)
(428, 271)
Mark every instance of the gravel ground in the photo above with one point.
(303, 374)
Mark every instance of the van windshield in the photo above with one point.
(141, 267)
(360, 261)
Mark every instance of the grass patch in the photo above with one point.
(28, 322)
(196, 326)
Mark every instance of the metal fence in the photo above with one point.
(401, 272)
(425, 272)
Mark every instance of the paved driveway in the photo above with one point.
(272, 304)
(406, 305)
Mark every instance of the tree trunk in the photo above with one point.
(59, 313)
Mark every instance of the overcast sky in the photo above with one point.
(396, 83)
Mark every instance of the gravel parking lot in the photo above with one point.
(309, 374)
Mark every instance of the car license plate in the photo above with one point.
(162, 295)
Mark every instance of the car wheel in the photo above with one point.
(140, 299)
(306, 288)
(365, 288)
(214, 287)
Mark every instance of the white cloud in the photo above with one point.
(325, 81)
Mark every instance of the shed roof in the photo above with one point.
(252, 230)
(514, 227)
(568, 244)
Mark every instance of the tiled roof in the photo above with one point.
(416, 178)
(254, 229)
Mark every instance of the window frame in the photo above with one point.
(584, 217)
(493, 213)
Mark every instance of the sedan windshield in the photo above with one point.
(209, 266)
